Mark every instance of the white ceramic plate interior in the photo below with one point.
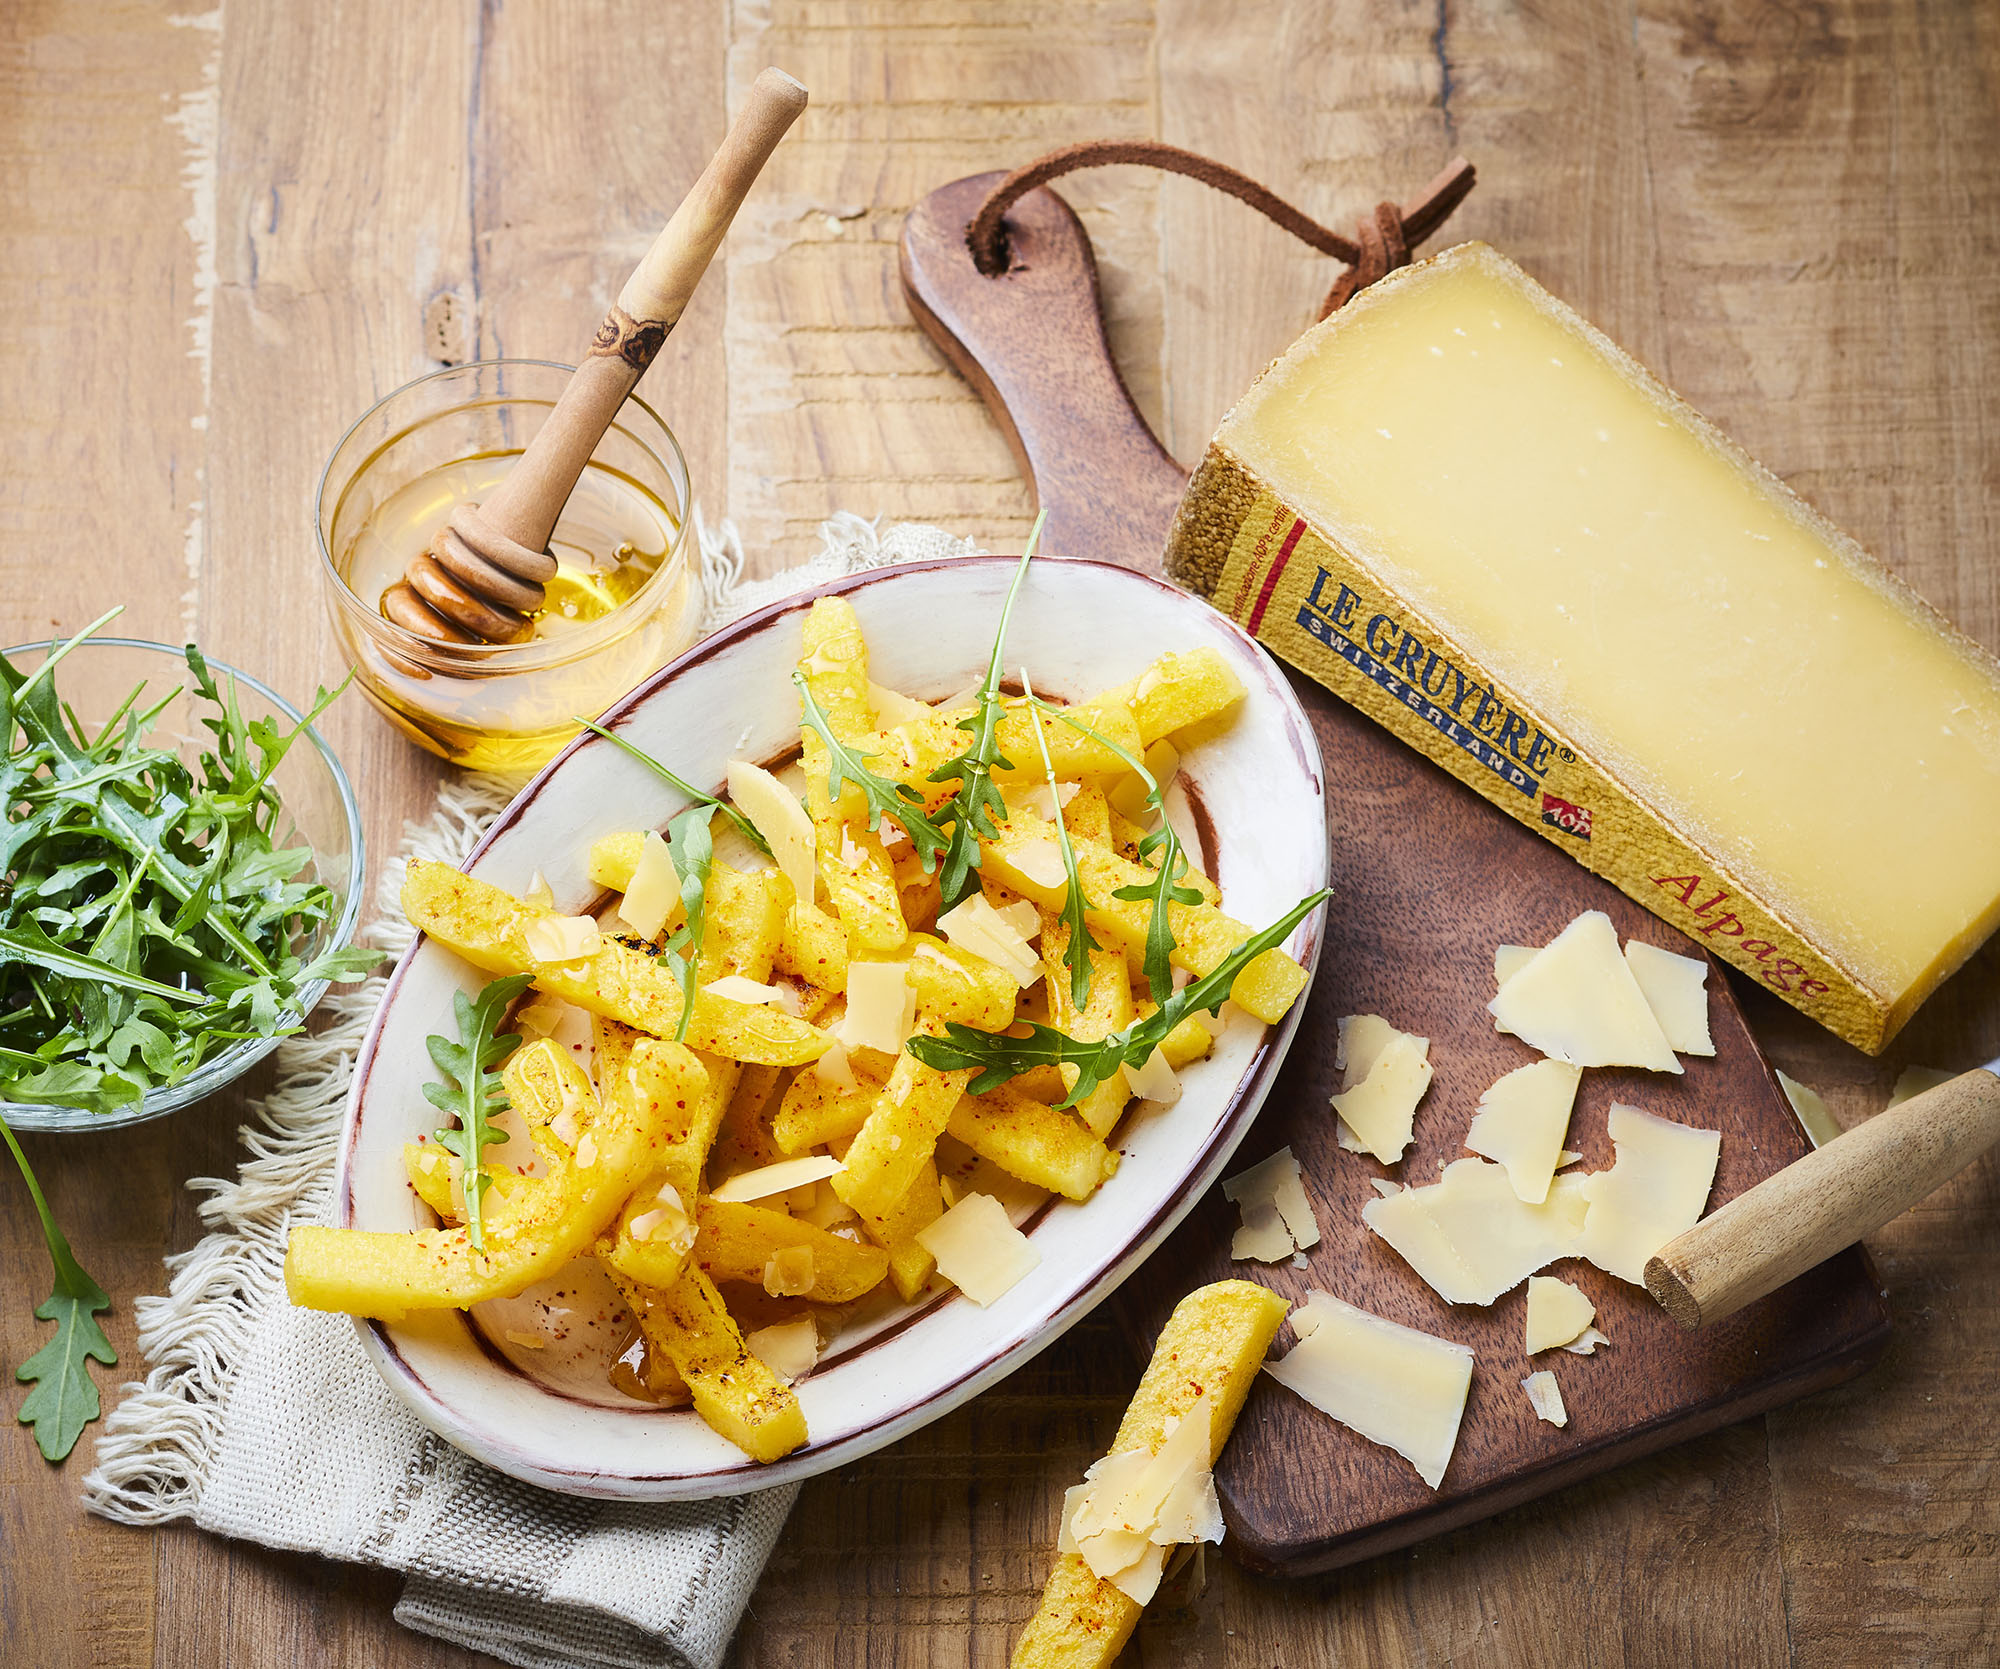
(1079, 627)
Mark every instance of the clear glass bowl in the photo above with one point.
(318, 811)
(396, 475)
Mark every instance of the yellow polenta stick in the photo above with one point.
(1213, 1343)
(488, 927)
(546, 1221)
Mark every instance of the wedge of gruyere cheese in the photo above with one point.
(1576, 1001)
(1470, 514)
(1521, 1122)
(1654, 1191)
(1386, 1074)
(1392, 1384)
(1558, 1313)
(1676, 990)
(1471, 1236)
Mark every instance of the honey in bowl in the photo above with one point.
(618, 609)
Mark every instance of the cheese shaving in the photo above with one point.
(881, 1007)
(539, 893)
(1391, 1384)
(978, 1250)
(1913, 1081)
(1576, 1000)
(1558, 1313)
(739, 989)
(560, 938)
(892, 707)
(1154, 1079)
(1471, 1237)
(654, 892)
(974, 925)
(1040, 861)
(834, 1068)
(788, 1272)
(780, 1178)
(1278, 1218)
(1134, 1505)
(1810, 1106)
(1586, 1342)
(1043, 803)
(790, 1349)
(1676, 990)
(1546, 1398)
(1655, 1190)
(1387, 1073)
(1521, 1122)
(527, 1341)
(775, 813)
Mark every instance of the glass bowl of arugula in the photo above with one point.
(180, 873)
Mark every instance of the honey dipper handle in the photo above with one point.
(530, 498)
(1826, 1201)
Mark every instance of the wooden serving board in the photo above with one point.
(1428, 878)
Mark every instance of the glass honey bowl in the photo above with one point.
(622, 603)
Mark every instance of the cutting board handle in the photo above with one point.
(1825, 1202)
(1031, 340)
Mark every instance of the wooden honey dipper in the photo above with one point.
(486, 571)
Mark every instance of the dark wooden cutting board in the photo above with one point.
(1428, 878)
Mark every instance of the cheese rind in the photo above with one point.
(1654, 1191)
(1392, 1384)
(1466, 511)
(1576, 1001)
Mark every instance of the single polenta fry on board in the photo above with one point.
(1211, 1347)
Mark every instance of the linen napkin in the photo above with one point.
(267, 1423)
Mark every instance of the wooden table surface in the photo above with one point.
(227, 233)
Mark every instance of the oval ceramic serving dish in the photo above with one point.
(1079, 627)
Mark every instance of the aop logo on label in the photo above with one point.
(1466, 712)
(1560, 814)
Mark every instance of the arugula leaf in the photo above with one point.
(64, 1399)
(1165, 844)
(1076, 952)
(999, 1056)
(741, 824)
(884, 798)
(692, 849)
(977, 799)
(472, 1089)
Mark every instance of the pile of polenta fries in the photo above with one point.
(760, 1138)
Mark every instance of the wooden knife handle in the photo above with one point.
(1828, 1200)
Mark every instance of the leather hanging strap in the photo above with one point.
(1382, 242)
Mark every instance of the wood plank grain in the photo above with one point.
(101, 109)
(1820, 184)
(835, 402)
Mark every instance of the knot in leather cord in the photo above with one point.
(1382, 242)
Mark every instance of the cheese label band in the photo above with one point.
(1314, 606)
